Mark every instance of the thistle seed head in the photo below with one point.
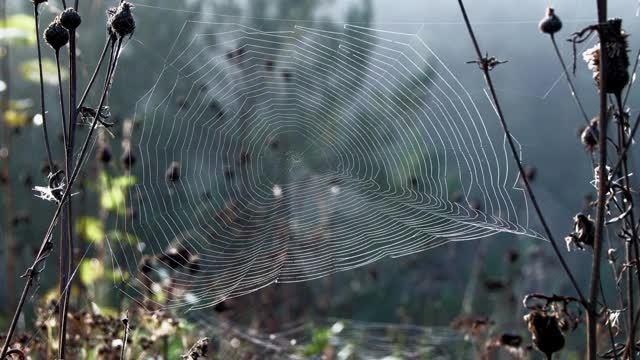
(70, 19)
(551, 23)
(56, 35)
(120, 20)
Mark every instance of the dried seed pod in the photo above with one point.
(545, 332)
(146, 265)
(194, 264)
(56, 35)
(103, 154)
(551, 23)
(128, 159)
(121, 21)
(199, 350)
(70, 19)
(173, 172)
(512, 340)
(530, 172)
(589, 135)
(618, 60)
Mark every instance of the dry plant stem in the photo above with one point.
(65, 138)
(42, 103)
(516, 157)
(64, 269)
(603, 187)
(630, 223)
(572, 87)
(66, 250)
(93, 78)
(32, 272)
(626, 147)
(612, 339)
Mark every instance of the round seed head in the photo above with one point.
(56, 35)
(551, 23)
(120, 20)
(70, 19)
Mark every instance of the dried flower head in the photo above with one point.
(545, 332)
(551, 23)
(56, 35)
(120, 20)
(618, 60)
(583, 233)
(70, 19)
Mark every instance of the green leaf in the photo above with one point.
(91, 270)
(124, 181)
(113, 199)
(116, 275)
(123, 237)
(30, 71)
(319, 341)
(90, 229)
(18, 29)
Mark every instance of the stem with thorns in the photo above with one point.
(514, 151)
(603, 187)
(45, 246)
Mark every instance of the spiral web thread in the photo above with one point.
(303, 153)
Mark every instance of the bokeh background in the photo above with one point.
(418, 296)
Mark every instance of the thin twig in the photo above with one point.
(631, 244)
(42, 103)
(93, 77)
(633, 78)
(572, 87)
(516, 157)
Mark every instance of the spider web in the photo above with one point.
(286, 156)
